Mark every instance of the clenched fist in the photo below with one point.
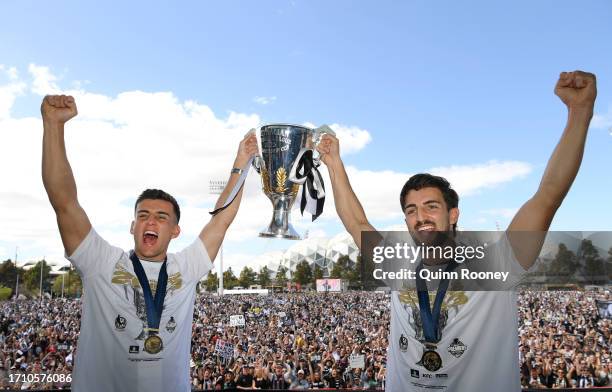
(57, 109)
(329, 148)
(247, 148)
(577, 89)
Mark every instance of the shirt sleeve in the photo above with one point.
(94, 255)
(500, 258)
(194, 260)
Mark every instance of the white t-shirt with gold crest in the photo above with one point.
(110, 349)
(479, 343)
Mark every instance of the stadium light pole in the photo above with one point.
(216, 187)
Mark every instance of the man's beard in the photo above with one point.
(431, 238)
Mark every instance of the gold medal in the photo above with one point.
(153, 344)
(431, 360)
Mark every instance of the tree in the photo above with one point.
(229, 279)
(32, 277)
(247, 277)
(341, 268)
(72, 284)
(212, 281)
(563, 266)
(593, 265)
(303, 273)
(281, 276)
(317, 273)
(8, 274)
(263, 277)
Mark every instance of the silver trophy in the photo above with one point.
(280, 148)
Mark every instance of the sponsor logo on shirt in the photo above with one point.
(457, 348)
(414, 373)
(134, 349)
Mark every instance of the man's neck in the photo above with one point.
(154, 259)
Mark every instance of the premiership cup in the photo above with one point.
(280, 149)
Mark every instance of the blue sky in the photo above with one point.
(433, 85)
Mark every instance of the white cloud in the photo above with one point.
(10, 91)
(603, 121)
(120, 145)
(264, 100)
(43, 80)
(352, 139)
(469, 179)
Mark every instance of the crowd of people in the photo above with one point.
(563, 343)
(309, 341)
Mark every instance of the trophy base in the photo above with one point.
(288, 234)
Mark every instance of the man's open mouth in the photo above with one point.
(426, 227)
(150, 237)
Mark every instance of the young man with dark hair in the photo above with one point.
(475, 340)
(137, 306)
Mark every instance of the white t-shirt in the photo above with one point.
(479, 344)
(110, 351)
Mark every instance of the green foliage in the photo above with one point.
(247, 277)
(73, 286)
(564, 265)
(317, 273)
(593, 268)
(263, 277)
(281, 276)
(5, 293)
(32, 277)
(8, 273)
(303, 273)
(342, 268)
(212, 282)
(229, 279)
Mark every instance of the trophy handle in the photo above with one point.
(317, 134)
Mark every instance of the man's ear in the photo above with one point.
(453, 216)
(176, 231)
(132, 228)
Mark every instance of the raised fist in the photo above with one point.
(577, 89)
(247, 148)
(58, 108)
(329, 148)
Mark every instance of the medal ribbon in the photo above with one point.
(154, 306)
(305, 172)
(431, 318)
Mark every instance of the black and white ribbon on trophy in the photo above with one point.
(303, 172)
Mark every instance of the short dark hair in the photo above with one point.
(426, 180)
(158, 194)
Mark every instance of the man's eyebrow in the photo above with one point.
(142, 210)
(427, 202)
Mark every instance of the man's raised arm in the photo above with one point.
(213, 233)
(57, 175)
(348, 206)
(577, 90)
